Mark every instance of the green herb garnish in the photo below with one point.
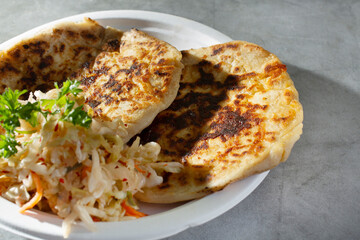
(8, 145)
(54, 105)
(76, 116)
(11, 111)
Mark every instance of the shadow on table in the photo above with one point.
(331, 110)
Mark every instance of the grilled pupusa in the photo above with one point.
(134, 83)
(53, 54)
(236, 114)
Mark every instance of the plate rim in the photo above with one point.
(109, 14)
(251, 183)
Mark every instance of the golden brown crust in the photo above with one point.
(53, 54)
(236, 114)
(135, 83)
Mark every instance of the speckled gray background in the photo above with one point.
(316, 193)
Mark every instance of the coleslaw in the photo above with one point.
(79, 173)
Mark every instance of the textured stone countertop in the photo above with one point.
(316, 193)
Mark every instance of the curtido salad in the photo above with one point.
(55, 157)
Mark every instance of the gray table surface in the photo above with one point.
(316, 193)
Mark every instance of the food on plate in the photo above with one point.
(65, 150)
(53, 54)
(134, 83)
(54, 156)
(57, 153)
(237, 113)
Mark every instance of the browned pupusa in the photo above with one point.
(134, 83)
(236, 114)
(53, 54)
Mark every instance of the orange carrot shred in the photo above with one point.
(130, 211)
(96, 219)
(38, 195)
(84, 171)
(139, 169)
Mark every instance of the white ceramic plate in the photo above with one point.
(164, 220)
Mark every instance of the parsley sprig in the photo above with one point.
(76, 116)
(12, 110)
(8, 145)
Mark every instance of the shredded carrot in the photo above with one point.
(84, 171)
(139, 169)
(96, 219)
(130, 211)
(38, 195)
